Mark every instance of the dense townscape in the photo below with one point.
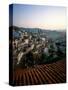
(33, 46)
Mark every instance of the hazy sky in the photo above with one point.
(38, 16)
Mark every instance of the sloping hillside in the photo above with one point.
(41, 74)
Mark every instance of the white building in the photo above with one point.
(43, 39)
(46, 51)
(26, 41)
(19, 57)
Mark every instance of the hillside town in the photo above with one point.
(31, 49)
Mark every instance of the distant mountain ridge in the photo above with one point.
(50, 33)
(16, 27)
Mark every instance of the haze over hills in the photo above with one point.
(54, 34)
